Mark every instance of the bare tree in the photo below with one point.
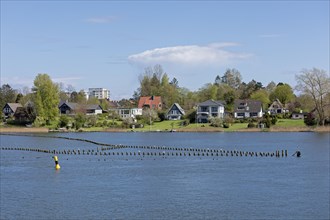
(315, 83)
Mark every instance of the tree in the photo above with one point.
(247, 89)
(7, 95)
(283, 92)
(46, 97)
(271, 87)
(261, 95)
(232, 77)
(229, 98)
(316, 83)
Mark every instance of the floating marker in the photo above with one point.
(57, 166)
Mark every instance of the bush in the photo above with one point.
(185, 122)
(161, 115)
(310, 120)
(63, 121)
(191, 116)
(251, 125)
(39, 122)
(225, 125)
(92, 120)
(274, 120)
(80, 120)
(216, 122)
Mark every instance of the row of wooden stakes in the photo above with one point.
(192, 152)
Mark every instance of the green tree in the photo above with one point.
(282, 92)
(261, 95)
(7, 95)
(80, 120)
(316, 84)
(46, 97)
(229, 98)
(247, 89)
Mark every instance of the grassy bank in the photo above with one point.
(283, 125)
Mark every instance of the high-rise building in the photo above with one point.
(99, 93)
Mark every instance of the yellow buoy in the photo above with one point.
(57, 166)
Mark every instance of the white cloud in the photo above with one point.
(212, 54)
(101, 20)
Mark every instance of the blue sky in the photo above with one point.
(109, 43)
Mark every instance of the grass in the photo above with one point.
(281, 125)
(290, 123)
(161, 126)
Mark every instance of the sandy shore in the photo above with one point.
(23, 130)
(275, 129)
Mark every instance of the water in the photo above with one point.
(128, 187)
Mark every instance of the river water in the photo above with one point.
(174, 187)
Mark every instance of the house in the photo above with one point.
(129, 112)
(277, 108)
(247, 109)
(71, 108)
(124, 112)
(151, 102)
(10, 108)
(175, 112)
(298, 115)
(22, 114)
(208, 109)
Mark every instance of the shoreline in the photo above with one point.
(208, 130)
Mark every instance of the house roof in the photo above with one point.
(276, 104)
(13, 106)
(178, 107)
(75, 106)
(212, 103)
(149, 101)
(254, 105)
(114, 104)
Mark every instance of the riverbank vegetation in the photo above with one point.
(41, 105)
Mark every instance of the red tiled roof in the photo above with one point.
(154, 102)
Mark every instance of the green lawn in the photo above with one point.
(161, 126)
(167, 126)
(290, 123)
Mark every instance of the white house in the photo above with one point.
(129, 112)
(247, 109)
(208, 109)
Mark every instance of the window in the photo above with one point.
(214, 109)
(204, 109)
(240, 114)
(253, 114)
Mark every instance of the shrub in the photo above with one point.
(161, 115)
(274, 120)
(63, 121)
(216, 122)
(80, 120)
(310, 120)
(191, 116)
(225, 125)
(251, 125)
(185, 122)
(39, 121)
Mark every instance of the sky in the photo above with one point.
(108, 44)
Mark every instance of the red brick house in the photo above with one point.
(152, 102)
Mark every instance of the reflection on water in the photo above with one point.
(128, 187)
